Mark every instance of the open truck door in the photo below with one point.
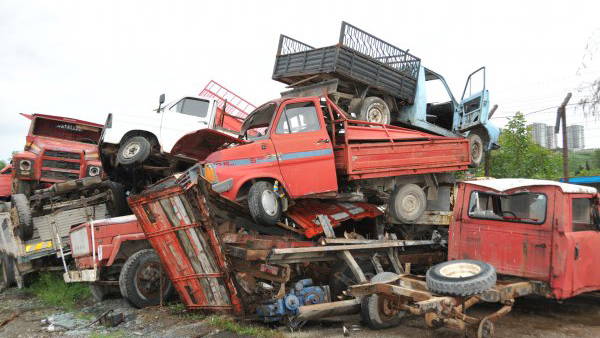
(474, 103)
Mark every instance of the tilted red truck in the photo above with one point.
(57, 149)
(5, 182)
(308, 147)
(114, 256)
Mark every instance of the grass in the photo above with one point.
(223, 322)
(53, 291)
(115, 334)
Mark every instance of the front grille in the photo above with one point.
(59, 175)
(63, 154)
(61, 164)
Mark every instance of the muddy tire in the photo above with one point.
(407, 203)
(374, 109)
(21, 217)
(133, 150)
(139, 280)
(476, 148)
(378, 311)
(264, 204)
(463, 277)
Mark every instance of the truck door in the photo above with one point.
(474, 104)
(187, 115)
(584, 243)
(304, 150)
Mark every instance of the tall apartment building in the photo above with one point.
(538, 133)
(575, 136)
(551, 138)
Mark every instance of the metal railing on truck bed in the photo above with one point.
(358, 57)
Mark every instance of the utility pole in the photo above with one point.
(561, 118)
(486, 159)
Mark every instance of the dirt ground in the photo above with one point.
(22, 315)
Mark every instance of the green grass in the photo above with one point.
(53, 291)
(115, 334)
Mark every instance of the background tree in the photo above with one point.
(2, 164)
(520, 157)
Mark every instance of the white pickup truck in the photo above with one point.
(136, 149)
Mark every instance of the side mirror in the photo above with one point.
(161, 99)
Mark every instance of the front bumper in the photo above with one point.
(76, 276)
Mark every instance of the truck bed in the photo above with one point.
(358, 57)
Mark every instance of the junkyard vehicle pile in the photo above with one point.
(339, 197)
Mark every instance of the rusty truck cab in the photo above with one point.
(533, 229)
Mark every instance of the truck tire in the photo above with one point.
(118, 201)
(380, 311)
(407, 203)
(7, 272)
(139, 280)
(133, 150)
(476, 148)
(264, 204)
(465, 277)
(374, 109)
(22, 187)
(21, 217)
(341, 276)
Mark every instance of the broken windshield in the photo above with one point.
(523, 207)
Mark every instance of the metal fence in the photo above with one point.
(288, 45)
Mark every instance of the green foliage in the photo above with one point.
(228, 324)
(520, 157)
(52, 290)
(2, 164)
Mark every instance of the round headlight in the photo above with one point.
(25, 165)
(94, 171)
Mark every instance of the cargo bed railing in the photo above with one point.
(362, 42)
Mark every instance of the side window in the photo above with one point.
(520, 207)
(298, 118)
(193, 107)
(581, 214)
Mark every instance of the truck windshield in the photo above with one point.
(66, 130)
(255, 126)
(520, 207)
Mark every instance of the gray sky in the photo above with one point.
(84, 59)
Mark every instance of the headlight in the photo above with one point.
(94, 171)
(25, 165)
(80, 244)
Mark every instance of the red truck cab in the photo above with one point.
(307, 147)
(57, 149)
(5, 182)
(537, 230)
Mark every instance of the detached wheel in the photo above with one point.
(407, 203)
(20, 214)
(381, 311)
(374, 110)
(133, 150)
(264, 204)
(139, 280)
(476, 147)
(464, 277)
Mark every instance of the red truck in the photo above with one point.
(307, 147)
(114, 256)
(57, 149)
(5, 182)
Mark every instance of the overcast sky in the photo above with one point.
(84, 59)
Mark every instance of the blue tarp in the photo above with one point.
(583, 179)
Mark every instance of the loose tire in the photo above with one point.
(380, 311)
(375, 110)
(407, 203)
(21, 217)
(264, 204)
(133, 150)
(460, 277)
(476, 148)
(139, 280)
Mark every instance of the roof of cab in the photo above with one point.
(504, 184)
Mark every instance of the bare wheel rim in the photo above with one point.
(475, 150)
(131, 150)
(147, 280)
(388, 307)
(269, 202)
(460, 270)
(409, 204)
(375, 114)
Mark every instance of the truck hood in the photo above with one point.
(201, 143)
(62, 145)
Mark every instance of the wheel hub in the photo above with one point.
(475, 149)
(131, 150)
(147, 280)
(460, 270)
(375, 114)
(269, 202)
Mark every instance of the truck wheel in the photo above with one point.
(21, 217)
(465, 277)
(118, 201)
(381, 311)
(134, 150)
(22, 187)
(342, 277)
(7, 272)
(407, 203)
(375, 110)
(101, 292)
(264, 204)
(139, 280)
(476, 148)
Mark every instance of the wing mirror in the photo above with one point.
(161, 100)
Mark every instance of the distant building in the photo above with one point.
(538, 133)
(551, 138)
(575, 137)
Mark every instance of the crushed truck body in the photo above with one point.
(220, 260)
